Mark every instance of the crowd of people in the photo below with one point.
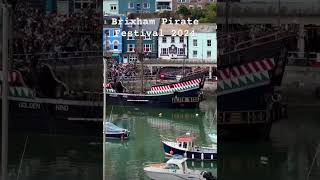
(119, 71)
(38, 32)
(233, 39)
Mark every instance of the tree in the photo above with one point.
(183, 10)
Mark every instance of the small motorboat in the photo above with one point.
(184, 146)
(175, 169)
(114, 132)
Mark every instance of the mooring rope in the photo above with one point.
(314, 159)
(21, 160)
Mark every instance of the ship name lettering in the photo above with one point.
(60, 107)
(29, 105)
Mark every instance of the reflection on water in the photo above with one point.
(55, 157)
(80, 158)
(287, 156)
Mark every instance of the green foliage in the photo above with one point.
(184, 11)
(205, 15)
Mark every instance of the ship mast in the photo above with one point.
(5, 26)
(140, 51)
(107, 56)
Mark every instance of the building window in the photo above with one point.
(164, 51)
(138, 6)
(209, 43)
(130, 5)
(181, 51)
(107, 33)
(107, 45)
(172, 39)
(164, 39)
(181, 39)
(147, 48)
(195, 42)
(113, 7)
(208, 54)
(146, 5)
(147, 37)
(131, 47)
(195, 53)
(132, 59)
(114, 33)
(130, 38)
(115, 45)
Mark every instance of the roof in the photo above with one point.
(204, 28)
(168, 28)
(184, 138)
(145, 27)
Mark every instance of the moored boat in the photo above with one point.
(180, 94)
(114, 132)
(175, 168)
(184, 145)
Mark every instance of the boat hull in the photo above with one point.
(117, 135)
(169, 176)
(55, 116)
(187, 99)
(189, 154)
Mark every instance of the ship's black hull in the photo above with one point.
(54, 116)
(186, 99)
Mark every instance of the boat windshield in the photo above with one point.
(171, 166)
(110, 127)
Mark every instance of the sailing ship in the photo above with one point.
(180, 94)
(250, 73)
(185, 93)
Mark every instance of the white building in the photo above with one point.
(202, 45)
(170, 46)
(110, 7)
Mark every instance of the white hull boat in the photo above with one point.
(175, 169)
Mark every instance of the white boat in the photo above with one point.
(213, 138)
(175, 169)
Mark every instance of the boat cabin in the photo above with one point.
(177, 163)
(185, 142)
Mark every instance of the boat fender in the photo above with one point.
(208, 176)
(122, 135)
(171, 152)
(276, 98)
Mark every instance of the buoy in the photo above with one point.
(122, 136)
(197, 115)
(160, 114)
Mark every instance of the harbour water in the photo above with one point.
(288, 155)
(73, 157)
